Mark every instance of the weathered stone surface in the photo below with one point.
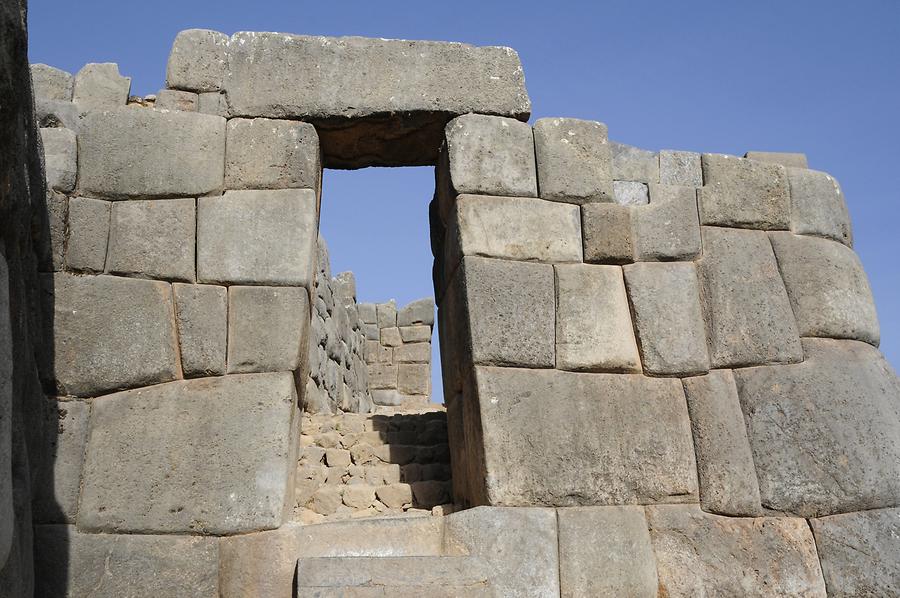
(8, 535)
(182, 154)
(51, 83)
(262, 153)
(665, 301)
(51, 234)
(669, 227)
(88, 234)
(525, 413)
(267, 327)
(259, 564)
(86, 308)
(607, 233)
(748, 314)
(510, 311)
(825, 433)
(418, 312)
(262, 237)
(140, 476)
(395, 496)
(680, 168)
(71, 563)
(630, 193)
(60, 158)
(699, 554)
(860, 552)
(386, 314)
(56, 113)
(593, 324)
(201, 314)
(423, 575)
(58, 483)
(413, 353)
(728, 483)
(789, 160)
(574, 162)
(212, 102)
(382, 376)
(367, 313)
(99, 86)
(605, 551)
(818, 206)
(388, 397)
(153, 238)
(414, 378)
(390, 337)
(633, 164)
(198, 60)
(744, 193)
(174, 99)
(828, 288)
(416, 334)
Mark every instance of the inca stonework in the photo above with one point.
(660, 369)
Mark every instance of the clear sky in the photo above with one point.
(817, 76)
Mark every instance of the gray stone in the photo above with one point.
(818, 206)
(416, 334)
(260, 237)
(389, 397)
(51, 83)
(828, 288)
(260, 564)
(386, 314)
(56, 113)
(788, 160)
(140, 476)
(88, 234)
(8, 535)
(744, 193)
(153, 238)
(574, 162)
(633, 164)
(699, 554)
(420, 311)
(51, 243)
(58, 483)
(825, 433)
(630, 193)
(198, 60)
(413, 353)
(201, 315)
(860, 552)
(525, 413)
(728, 483)
(423, 575)
(181, 154)
(605, 551)
(607, 233)
(367, 313)
(593, 323)
(133, 317)
(748, 314)
(99, 86)
(212, 102)
(669, 227)
(382, 376)
(173, 99)
(665, 301)
(414, 378)
(345, 288)
(510, 312)
(267, 327)
(680, 168)
(390, 337)
(71, 563)
(262, 153)
(60, 158)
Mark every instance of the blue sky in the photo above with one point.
(817, 76)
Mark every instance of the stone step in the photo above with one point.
(395, 592)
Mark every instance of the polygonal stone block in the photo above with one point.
(415, 334)
(51, 83)
(201, 314)
(818, 206)
(607, 233)
(174, 99)
(680, 168)
(51, 247)
(828, 288)
(267, 326)
(386, 314)
(56, 113)
(665, 299)
(669, 227)
(786, 159)
(58, 483)
(574, 162)
(744, 193)
(825, 433)
(630, 193)
(593, 323)
(198, 60)
(153, 238)
(99, 86)
(262, 153)
(261, 237)
(748, 315)
(415, 313)
(633, 164)
(60, 158)
(140, 476)
(88, 234)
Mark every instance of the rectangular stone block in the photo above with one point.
(60, 158)
(748, 314)
(415, 334)
(51, 233)
(259, 237)
(88, 234)
(140, 476)
(633, 164)
(607, 233)
(382, 375)
(593, 323)
(367, 313)
(51, 83)
(213, 102)
(420, 311)
(414, 378)
(413, 353)
(744, 193)
(786, 159)
(669, 227)
(181, 154)
(390, 337)
(153, 239)
(58, 483)
(574, 162)
(174, 99)
(386, 314)
(818, 207)
(665, 302)
(680, 168)
(198, 60)
(201, 312)
(630, 193)
(109, 333)
(268, 328)
(99, 86)
(262, 153)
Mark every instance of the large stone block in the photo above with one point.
(634, 164)
(153, 239)
(71, 563)
(668, 228)
(260, 237)
(7, 507)
(174, 99)
(201, 312)
(605, 551)
(818, 206)
(607, 232)
(744, 193)
(680, 168)
(416, 313)
(699, 554)
(593, 323)
(51, 83)
(140, 476)
(825, 433)
(51, 234)
(56, 113)
(860, 552)
(828, 288)
(58, 482)
(748, 314)
(109, 333)
(60, 158)
(414, 378)
(198, 60)
(88, 234)
(262, 153)
(630, 193)
(267, 328)
(509, 309)
(179, 154)
(786, 159)
(574, 162)
(99, 86)
(565, 439)
(665, 301)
